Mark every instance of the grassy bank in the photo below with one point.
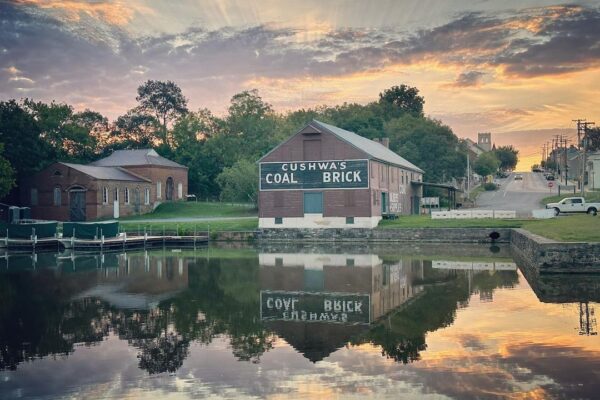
(572, 228)
(197, 210)
(186, 228)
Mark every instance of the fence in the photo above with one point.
(474, 214)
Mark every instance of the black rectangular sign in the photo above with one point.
(342, 308)
(328, 174)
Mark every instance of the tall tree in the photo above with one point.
(134, 130)
(402, 99)
(164, 100)
(7, 175)
(24, 146)
(593, 136)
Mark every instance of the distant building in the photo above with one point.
(327, 177)
(593, 170)
(484, 141)
(125, 183)
(474, 149)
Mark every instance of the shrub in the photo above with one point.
(490, 186)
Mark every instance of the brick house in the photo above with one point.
(327, 177)
(127, 182)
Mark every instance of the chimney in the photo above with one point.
(386, 142)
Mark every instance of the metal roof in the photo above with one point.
(123, 158)
(372, 148)
(106, 173)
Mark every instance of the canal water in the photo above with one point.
(286, 321)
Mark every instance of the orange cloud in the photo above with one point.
(117, 13)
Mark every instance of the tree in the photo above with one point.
(136, 129)
(593, 136)
(163, 100)
(508, 156)
(24, 146)
(402, 99)
(239, 182)
(428, 144)
(486, 164)
(7, 175)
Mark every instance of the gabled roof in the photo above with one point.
(123, 158)
(474, 146)
(106, 173)
(373, 149)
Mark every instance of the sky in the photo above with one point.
(522, 70)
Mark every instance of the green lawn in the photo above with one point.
(197, 209)
(425, 221)
(571, 228)
(186, 228)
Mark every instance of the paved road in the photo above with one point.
(521, 195)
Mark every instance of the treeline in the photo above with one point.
(220, 151)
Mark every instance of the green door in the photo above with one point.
(384, 206)
(313, 203)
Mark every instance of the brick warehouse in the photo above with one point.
(125, 183)
(327, 177)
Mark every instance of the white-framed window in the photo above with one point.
(126, 195)
(116, 195)
(158, 190)
(57, 196)
(104, 195)
(147, 196)
(34, 196)
(180, 190)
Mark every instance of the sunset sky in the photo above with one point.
(519, 69)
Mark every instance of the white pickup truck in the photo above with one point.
(574, 205)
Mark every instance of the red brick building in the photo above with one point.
(327, 177)
(125, 183)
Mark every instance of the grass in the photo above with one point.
(185, 228)
(572, 228)
(425, 221)
(197, 209)
(590, 197)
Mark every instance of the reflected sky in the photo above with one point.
(462, 334)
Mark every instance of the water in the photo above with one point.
(387, 322)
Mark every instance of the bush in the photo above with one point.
(490, 186)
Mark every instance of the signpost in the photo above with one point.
(301, 175)
(341, 308)
(550, 185)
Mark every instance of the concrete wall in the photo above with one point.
(440, 235)
(550, 256)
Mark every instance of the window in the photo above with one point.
(313, 203)
(104, 195)
(278, 220)
(57, 173)
(116, 195)
(147, 196)
(349, 262)
(180, 190)
(34, 197)
(57, 196)
(126, 195)
(576, 201)
(349, 220)
(158, 190)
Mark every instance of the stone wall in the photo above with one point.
(551, 256)
(439, 235)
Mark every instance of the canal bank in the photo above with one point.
(547, 255)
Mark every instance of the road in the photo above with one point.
(519, 195)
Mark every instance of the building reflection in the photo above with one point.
(162, 301)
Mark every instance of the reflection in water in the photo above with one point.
(321, 302)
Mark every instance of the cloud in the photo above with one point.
(82, 50)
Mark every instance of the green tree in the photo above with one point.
(593, 136)
(239, 182)
(135, 130)
(402, 99)
(163, 100)
(508, 156)
(429, 145)
(24, 146)
(486, 164)
(7, 175)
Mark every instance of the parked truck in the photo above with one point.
(574, 205)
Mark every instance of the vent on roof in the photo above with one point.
(309, 130)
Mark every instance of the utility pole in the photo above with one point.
(584, 158)
(565, 151)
